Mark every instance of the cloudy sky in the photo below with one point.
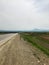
(24, 14)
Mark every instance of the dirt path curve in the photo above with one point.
(20, 52)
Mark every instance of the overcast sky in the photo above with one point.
(24, 14)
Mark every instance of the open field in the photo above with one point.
(45, 38)
(40, 40)
(17, 51)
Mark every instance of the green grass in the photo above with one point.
(33, 40)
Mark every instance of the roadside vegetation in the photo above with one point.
(38, 41)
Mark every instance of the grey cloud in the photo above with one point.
(22, 15)
(42, 5)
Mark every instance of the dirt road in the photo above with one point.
(20, 52)
(4, 36)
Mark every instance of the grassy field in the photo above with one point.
(38, 40)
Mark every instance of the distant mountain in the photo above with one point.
(40, 30)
